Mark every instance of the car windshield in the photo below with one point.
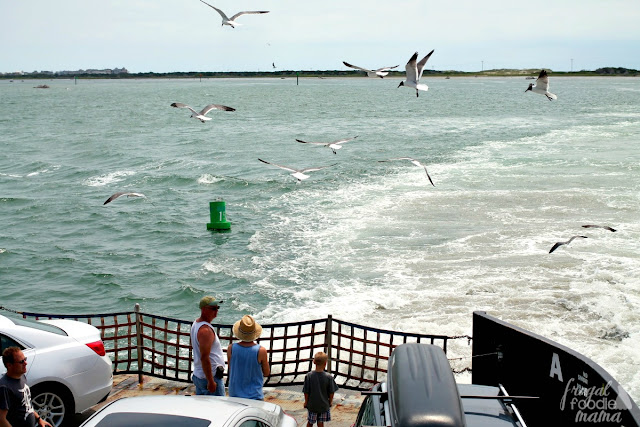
(126, 419)
(29, 323)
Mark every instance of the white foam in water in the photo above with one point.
(110, 178)
(208, 179)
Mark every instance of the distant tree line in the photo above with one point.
(606, 71)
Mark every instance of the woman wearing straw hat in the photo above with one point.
(250, 363)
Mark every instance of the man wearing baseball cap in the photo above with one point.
(208, 360)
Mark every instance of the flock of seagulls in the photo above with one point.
(414, 70)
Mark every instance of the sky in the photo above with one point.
(186, 35)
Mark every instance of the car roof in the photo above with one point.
(172, 410)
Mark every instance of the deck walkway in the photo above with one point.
(346, 403)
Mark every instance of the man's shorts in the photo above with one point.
(319, 418)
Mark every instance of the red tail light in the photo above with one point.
(98, 347)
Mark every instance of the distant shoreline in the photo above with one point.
(601, 72)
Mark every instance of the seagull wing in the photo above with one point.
(357, 68)
(248, 12)
(181, 105)
(113, 197)
(316, 168)
(399, 158)
(310, 142)
(415, 162)
(121, 193)
(422, 63)
(224, 17)
(210, 107)
(412, 69)
(342, 141)
(565, 243)
(543, 81)
(556, 246)
(606, 227)
(428, 176)
(386, 68)
(281, 167)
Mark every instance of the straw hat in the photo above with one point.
(247, 329)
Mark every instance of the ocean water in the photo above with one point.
(366, 241)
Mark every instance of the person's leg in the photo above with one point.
(201, 385)
(219, 387)
(311, 418)
(324, 417)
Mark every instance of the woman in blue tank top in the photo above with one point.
(248, 361)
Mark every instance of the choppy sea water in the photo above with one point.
(368, 242)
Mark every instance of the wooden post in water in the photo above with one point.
(296, 78)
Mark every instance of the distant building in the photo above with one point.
(94, 71)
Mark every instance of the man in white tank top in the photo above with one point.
(207, 351)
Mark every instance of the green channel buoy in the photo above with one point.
(219, 221)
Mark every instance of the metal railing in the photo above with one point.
(146, 344)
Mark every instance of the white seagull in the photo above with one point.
(414, 73)
(542, 86)
(380, 72)
(558, 244)
(116, 195)
(299, 174)
(232, 21)
(415, 162)
(335, 145)
(202, 115)
(606, 227)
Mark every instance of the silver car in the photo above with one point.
(67, 369)
(190, 411)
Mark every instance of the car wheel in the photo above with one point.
(53, 403)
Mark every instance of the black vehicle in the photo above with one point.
(531, 381)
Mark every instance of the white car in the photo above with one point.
(67, 369)
(190, 411)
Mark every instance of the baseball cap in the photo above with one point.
(209, 300)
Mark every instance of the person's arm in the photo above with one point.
(41, 421)
(306, 400)
(263, 359)
(331, 399)
(3, 418)
(206, 339)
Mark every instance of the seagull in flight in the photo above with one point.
(415, 162)
(414, 73)
(202, 115)
(232, 21)
(299, 174)
(380, 72)
(606, 227)
(558, 244)
(542, 86)
(335, 145)
(116, 195)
